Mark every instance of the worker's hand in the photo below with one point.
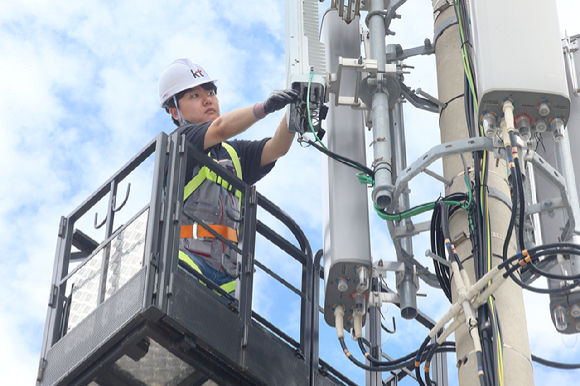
(278, 99)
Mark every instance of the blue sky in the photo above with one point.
(78, 98)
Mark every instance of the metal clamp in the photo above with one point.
(360, 65)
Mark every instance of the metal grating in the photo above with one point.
(126, 259)
(95, 330)
(158, 367)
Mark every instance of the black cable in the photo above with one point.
(418, 361)
(556, 365)
(535, 254)
(549, 274)
(438, 243)
(512, 222)
(521, 197)
(362, 342)
(341, 159)
(428, 362)
(372, 368)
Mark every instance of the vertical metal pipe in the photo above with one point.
(154, 241)
(406, 285)
(382, 193)
(107, 249)
(373, 334)
(245, 280)
(566, 167)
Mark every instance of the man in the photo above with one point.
(188, 93)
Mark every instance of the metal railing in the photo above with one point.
(148, 243)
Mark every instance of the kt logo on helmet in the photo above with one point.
(196, 74)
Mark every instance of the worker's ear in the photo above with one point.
(173, 112)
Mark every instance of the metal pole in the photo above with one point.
(566, 167)
(517, 363)
(373, 334)
(380, 111)
(406, 285)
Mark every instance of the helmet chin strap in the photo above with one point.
(181, 120)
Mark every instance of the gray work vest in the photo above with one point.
(213, 200)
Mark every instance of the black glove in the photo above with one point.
(278, 99)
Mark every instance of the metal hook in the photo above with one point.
(394, 327)
(124, 201)
(113, 209)
(101, 224)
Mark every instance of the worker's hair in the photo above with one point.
(170, 104)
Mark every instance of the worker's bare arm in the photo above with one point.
(278, 145)
(229, 125)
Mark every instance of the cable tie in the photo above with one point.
(417, 364)
(366, 354)
(519, 254)
(528, 259)
(525, 252)
(426, 367)
(512, 165)
(346, 352)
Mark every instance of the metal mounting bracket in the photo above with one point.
(435, 153)
(558, 181)
(361, 65)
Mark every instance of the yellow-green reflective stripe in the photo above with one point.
(186, 259)
(204, 173)
(228, 287)
(235, 158)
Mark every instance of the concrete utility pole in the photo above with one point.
(517, 363)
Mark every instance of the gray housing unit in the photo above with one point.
(518, 55)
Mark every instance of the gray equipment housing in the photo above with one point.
(518, 56)
(345, 208)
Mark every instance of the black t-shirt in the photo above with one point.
(249, 152)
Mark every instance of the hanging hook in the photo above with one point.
(114, 209)
(96, 220)
(124, 201)
(389, 331)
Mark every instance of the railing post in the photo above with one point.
(245, 280)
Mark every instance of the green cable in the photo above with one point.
(417, 210)
(469, 191)
(364, 178)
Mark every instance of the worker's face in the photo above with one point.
(198, 106)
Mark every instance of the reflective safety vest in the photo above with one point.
(229, 287)
(206, 174)
(214, 201)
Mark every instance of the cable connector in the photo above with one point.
(339, 320)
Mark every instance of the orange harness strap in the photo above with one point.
(196, 231)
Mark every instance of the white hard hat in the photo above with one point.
(181, 75)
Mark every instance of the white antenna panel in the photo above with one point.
(518, 56)
(303, 49)
(304, 53)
